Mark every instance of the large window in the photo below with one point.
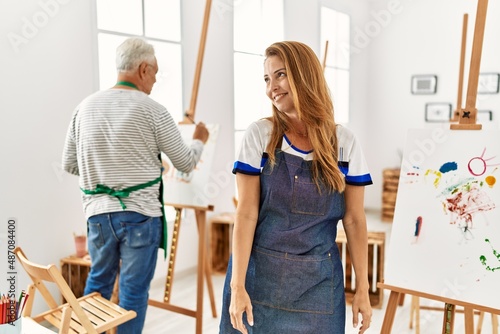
(257, 24)
(335, 29)
(158, 22)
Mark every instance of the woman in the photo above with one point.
(298, 174)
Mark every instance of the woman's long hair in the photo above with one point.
(311, 98)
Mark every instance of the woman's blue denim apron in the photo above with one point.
(294, 278)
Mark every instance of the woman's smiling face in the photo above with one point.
(277, 85)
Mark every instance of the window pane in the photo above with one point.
(335, 29)
(168, 87)
(250, 99)
(257, 24)
(123, 16)
(107, 44)
(338, 81)
(163, 19)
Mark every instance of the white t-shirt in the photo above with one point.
(253, 156)
(114, 139)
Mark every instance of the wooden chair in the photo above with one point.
(88, 314)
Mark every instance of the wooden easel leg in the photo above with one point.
(412, 311)
(203, 271)
(173, 255)
(390, 312)
(480, 322)
(401, 299)
(415, 313)
(207, 272)
(210, 286)
(201, 221)
(418, 316)
(469, 320)
(494, 323)
(449, 318)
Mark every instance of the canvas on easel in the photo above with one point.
(445, 239)
(189, 189)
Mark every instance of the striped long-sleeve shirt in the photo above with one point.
(115, 138)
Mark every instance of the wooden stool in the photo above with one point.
(376, 258)
(220, 237)
(389, 193)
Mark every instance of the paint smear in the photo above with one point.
(418, 228)
(483, 259)
(490, 180)
(448, 167)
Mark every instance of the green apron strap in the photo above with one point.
(163, 241)
(119, 194)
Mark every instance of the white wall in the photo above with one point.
(44, 78)
(421, 37)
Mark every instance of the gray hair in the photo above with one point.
(131, 53)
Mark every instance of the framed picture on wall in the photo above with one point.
(424, 84)
(488, 83)
(437, 112)
(484, 116)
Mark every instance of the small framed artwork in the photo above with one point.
(437, 112)
(484, 116)
(488, 83)
(424, 84)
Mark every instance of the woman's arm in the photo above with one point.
(357, 240)
(247, 213)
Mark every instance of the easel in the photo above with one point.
(415, 315)
(448, 310)
(325, 55)
(204, 270)
(456, 113)
(469, 113)
(189, 114)
(467, 121)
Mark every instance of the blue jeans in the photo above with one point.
(132, 238)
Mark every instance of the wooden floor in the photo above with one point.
(184, 294)
(159, 321)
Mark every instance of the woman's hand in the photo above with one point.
(240, 303)
(361, 304)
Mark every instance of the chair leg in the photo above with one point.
(65, 321)
(29, 302)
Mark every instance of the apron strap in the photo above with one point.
(163, 241)
(124, 193)
(119, 194)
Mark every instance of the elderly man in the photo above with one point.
(114, 143)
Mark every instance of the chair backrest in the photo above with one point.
(39, 273)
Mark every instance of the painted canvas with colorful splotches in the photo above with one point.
(445, 239)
